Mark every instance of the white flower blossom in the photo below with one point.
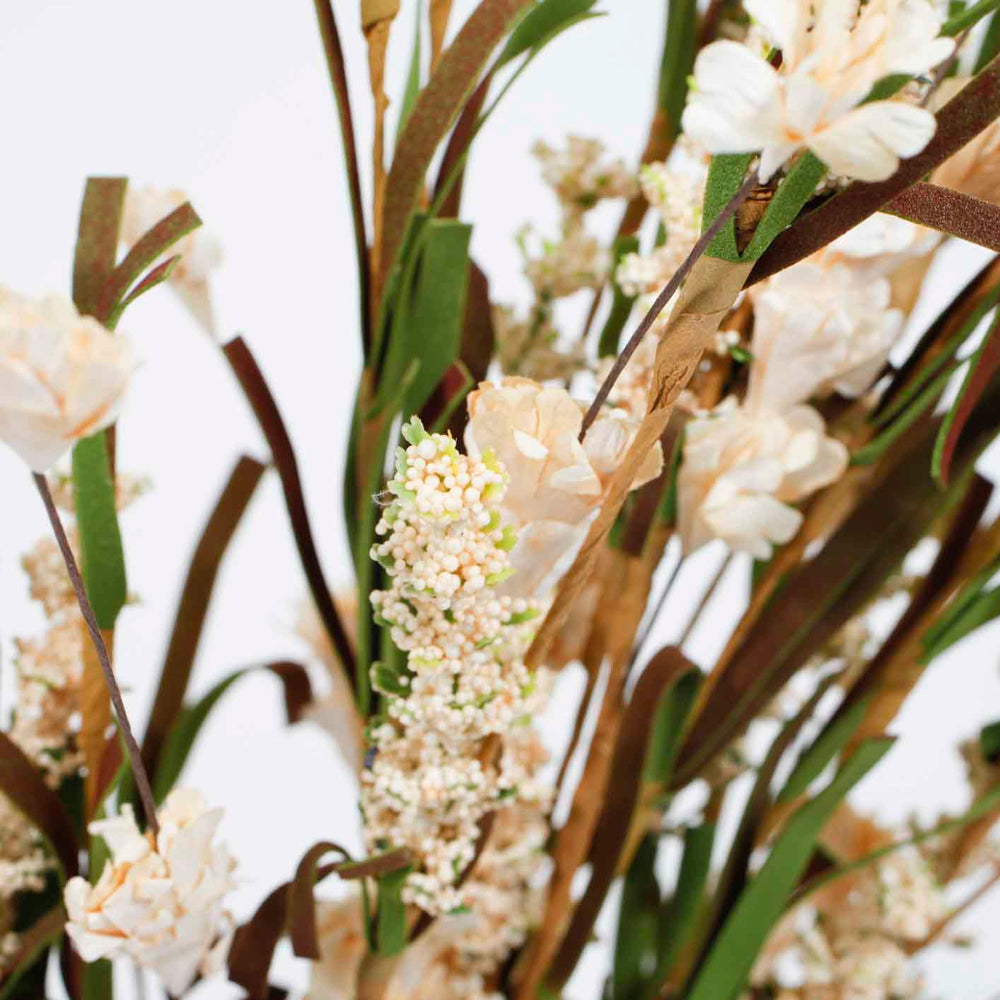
(555, 481)
(832, 54)
(63, 376)
(817, 328)
(741, 470)
(159, 903)
(200, 251)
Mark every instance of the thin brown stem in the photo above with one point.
(664, 297)
(86, 609)
(705, 598)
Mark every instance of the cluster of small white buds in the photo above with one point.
(445, 551)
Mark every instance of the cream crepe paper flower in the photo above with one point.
(818, 328)
(556, 483)
(832, 56)
(62, 376)
(159, 904)
(200, 251)
(741, 470)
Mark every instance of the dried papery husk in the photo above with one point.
(703, 302)
(376, 21)
(440, 11)
(573, 839)
(95, 712)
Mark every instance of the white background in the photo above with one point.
(229, 100)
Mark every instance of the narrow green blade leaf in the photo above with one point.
(428, 325)
(989, 740)
(97, 522)
(638, 917)
(969, 17)
(983, 609)
(824, 748)
(677, 62)
(621, 305)
(546, 19)
(679, 915)
(184, 732)
(391, 932)
(729, 962)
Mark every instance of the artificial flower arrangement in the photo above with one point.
(511, 493)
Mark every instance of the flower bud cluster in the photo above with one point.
(434, 773)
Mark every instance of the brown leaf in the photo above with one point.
(338, 80)
(302, 905)
(432, 115)
(662, 672)
(574, 838)
(22, 783)
(263, 404)
(950, 212)
(820, 596)
(193, 608)
(97, 242)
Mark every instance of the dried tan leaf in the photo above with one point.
(573, 840)
(439, 13)
(95, 714)
(707, 296)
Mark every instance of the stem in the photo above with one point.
(135, 755)
(665, 296)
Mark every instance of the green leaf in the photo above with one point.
(825, 747)
(427, 326)
(968, 17)
(671, 717)
(989, 740)
(542, 23)
(762, 903)
(798, 186)
(877, 447)
(933, 639)
(980, 611)
(621, 305)
(681, 913)
(909, 384)
(638, 915)
(101, 550)
(391, 931)
(413, 76)
(991, 44)
(725, 177)
(180, 740)
(677, 62)
(982, 807)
